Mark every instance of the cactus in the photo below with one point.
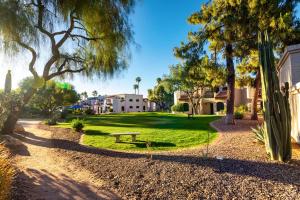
(277, 113)
(7, 87)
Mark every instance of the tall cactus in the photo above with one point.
(277, 113)
(7, 87)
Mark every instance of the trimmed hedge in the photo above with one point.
(181, 107)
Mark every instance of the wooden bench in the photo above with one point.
(118, 135)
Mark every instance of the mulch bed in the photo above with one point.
(235, 168)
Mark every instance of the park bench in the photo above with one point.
(118, 135)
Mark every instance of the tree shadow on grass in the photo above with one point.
(97, 133)
(283, 173)
(142, 144)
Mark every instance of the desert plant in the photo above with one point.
(149, 145)
(77, 124)
(276, 107)
(6, 176)
(259, 132)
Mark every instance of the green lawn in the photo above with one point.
(165, 131)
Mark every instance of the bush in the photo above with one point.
(77, 124)
(241, 109)
(259, 133)
(6, 176)
(77, 112)
(181, 107)
(111, 110)
(238, 115)
(89, 112)
(51, 122)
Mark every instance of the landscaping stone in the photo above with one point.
(244, 172)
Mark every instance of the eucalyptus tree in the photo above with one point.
(138, 80)
(88, 37)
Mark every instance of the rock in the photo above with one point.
(19, 128)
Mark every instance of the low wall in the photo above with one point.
(295, 111)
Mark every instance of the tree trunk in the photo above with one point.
(255, 97)
(10, 123)
(231, 84)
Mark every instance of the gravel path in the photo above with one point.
(236, 168)
(45, 174)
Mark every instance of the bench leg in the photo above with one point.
(133, 137)
(118, 139)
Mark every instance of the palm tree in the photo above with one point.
(95, 93)
(138, 80)
(135, 87)
(84, 95)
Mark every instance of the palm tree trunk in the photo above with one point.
(255, 97)
(231, 84)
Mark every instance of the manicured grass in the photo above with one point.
(164, 131)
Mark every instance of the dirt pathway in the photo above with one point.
(47, 175)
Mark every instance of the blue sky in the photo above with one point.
(159, 26)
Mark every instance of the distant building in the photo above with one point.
(118, 103)
(289, 71)
(212, 102)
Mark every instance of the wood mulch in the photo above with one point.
(236, 167)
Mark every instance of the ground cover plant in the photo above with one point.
(164, 131)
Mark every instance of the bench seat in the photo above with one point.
(118, 135)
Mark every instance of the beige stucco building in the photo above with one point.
(289, 71)
(212, 102)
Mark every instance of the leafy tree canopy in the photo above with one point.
(90, 36)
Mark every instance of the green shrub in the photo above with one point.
(238, 115)
(6, 176)
(111, 110)
(77, 124)
(77, 112)
(241, 108)
(51, 122)
(259, 133)
(89, 112)
(181, 107)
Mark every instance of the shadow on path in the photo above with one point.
(54, 187)
(265, 170)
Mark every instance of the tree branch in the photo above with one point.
(33, 60)
(59, 73)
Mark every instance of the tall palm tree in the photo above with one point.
(138, 80)
(135, 87)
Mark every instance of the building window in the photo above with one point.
(137, 100)
(130, 100)
(130, 107)
(137, 107)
